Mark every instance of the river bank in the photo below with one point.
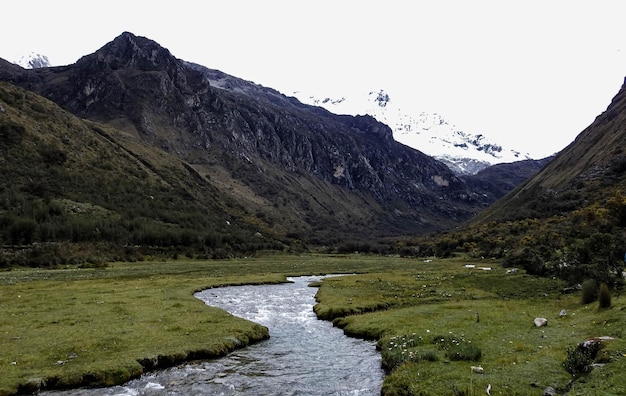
(69, 323)
(303, 356)
(71, 327)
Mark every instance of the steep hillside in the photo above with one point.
(81, 191)
(301, 170)
(590, 170)
(498, 180)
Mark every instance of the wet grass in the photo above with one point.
(485, 317)
(75, 327)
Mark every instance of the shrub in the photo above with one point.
(604, 296)
(457, 348)
(401, 349)
(429, 356)
(23, 231)
(11, 134)
(528, 259)
(577, 362)
(589, 291)
(580, 358)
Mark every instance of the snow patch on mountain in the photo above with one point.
(33, 61)
(430, 133)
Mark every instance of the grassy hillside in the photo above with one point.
(75, 190)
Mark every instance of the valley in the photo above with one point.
(132, 179)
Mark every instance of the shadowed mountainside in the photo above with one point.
(337, 171)
(293, 172)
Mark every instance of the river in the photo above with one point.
(304, 355)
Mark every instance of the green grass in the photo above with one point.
(489, 316)
(70, 327)
(108, 325)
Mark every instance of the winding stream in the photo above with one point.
(304, 355)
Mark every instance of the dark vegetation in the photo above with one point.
(72, 194)
(586, 243)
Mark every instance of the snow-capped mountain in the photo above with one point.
(430, 133)
(33, 61)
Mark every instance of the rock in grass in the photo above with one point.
(549, 391)
(539, 322)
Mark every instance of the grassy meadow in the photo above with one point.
(434, 320)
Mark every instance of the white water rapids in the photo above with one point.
(304, 355)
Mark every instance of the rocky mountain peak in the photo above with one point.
(464, 152)
(128, 50)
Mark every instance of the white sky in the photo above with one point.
(528, 74)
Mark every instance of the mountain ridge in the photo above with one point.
(297, 172)
(465, 153)
(139, 87)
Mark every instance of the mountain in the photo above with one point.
(492, 181)
(465, 153)
(295, 171)
(499, 179)
(33, 61)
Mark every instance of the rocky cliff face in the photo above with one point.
(265, 140)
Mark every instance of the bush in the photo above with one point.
(580, 358)
(11, 134)
(400, 349)
(528, 259)
(22, 231)
(589, 291)
(604, 296)
(457, 348)
(578, 361)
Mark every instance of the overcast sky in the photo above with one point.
(528, 74)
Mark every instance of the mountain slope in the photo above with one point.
(304, 171)
(590, 169)
(499, 179)
(68, 183)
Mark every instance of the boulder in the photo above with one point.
(549, 391)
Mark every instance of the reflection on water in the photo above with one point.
(304, 355)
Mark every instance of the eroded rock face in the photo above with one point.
(134, 82)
